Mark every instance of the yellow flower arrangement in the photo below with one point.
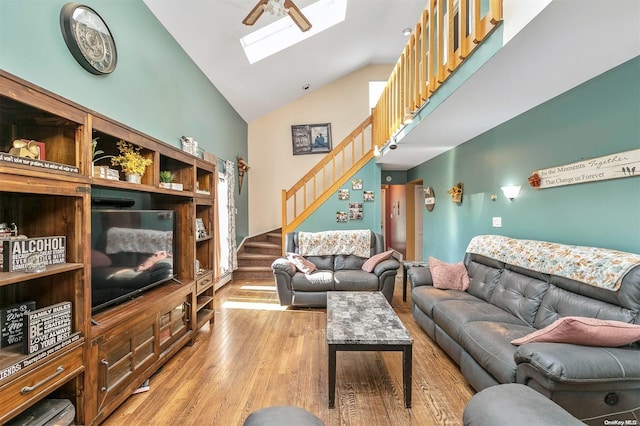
(130, 160)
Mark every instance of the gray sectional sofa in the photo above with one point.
(336, 272)
(520, 286)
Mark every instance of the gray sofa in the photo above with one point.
(505, 301)
(335, 273)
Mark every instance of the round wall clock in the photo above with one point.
(88, 38)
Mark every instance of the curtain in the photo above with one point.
(228, 261)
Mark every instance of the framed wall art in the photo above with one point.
(311, 138)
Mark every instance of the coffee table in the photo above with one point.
(365, 321)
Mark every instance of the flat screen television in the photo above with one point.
(131, 251)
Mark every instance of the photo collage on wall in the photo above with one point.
(355, 208)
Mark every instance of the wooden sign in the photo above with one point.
(46, 327)
(17, 253)
(614, 166)
(11, 319)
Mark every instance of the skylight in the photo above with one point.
(284, 32)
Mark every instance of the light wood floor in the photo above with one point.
(254, 357)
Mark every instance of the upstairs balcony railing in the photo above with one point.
(447, 33)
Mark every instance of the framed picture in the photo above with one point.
(341, 217)
(356, 183)
(355, 211)
(368, 195)
(311, 138)
(201, 231)
(343, 194)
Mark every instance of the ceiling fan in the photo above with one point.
(278, 8)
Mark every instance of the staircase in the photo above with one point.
(256, 256)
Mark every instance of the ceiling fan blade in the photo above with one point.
(255, 13)
(297, 16)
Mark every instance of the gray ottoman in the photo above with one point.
(282, 416)
(515, 404)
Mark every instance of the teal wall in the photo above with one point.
(324, 218)
(155, 89)
(599, 117)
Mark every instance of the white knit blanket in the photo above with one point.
(357, 242)
(138, 240)
(598, 267)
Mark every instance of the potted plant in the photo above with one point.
(166, 177)
(101, 171)
(132, 163)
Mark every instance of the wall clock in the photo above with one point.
(88, 38)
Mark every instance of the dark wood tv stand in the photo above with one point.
(122, 346)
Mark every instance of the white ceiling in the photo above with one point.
(568, 43)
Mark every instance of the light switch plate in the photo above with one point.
(497, 222)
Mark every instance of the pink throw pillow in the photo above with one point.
(99, 259)
(584, 331)
(451, 276)
(371, 263)
(302, 264)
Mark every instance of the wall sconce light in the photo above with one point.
(393, 144)
(376, 151)
(511, 191)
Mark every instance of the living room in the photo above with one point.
(159, 91)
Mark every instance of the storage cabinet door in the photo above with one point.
(174, 322)
(124, 353)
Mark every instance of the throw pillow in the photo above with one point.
(584, 331)
(99, 259)
(302, 264)
(452, 276)
(371, 263)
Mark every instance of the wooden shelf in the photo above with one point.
(7, 278)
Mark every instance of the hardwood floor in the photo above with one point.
(257, 355)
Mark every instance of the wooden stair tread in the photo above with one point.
(254, 268)
(257, 256)
(261, 244)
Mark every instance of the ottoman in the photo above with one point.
(514, 404)
(282, 416)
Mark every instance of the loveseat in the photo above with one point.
(338, 258)
(519, 287)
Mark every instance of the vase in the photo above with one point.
(133, 178)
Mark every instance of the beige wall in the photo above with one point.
(343, 103)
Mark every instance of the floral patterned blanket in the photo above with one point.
(357, 242)
(598, 267)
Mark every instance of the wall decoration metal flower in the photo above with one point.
(243, 167)
(456, 193)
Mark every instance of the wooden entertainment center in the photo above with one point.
(122, 346)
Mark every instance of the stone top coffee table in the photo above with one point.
(365, 321)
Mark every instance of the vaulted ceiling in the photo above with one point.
(565, 45)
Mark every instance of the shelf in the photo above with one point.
(7, 278)
(12, 355)
(207, 238)
(202, 301)
(204, 316)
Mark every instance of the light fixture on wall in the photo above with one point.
(393, 144)
(376, 151)
(511, 191)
